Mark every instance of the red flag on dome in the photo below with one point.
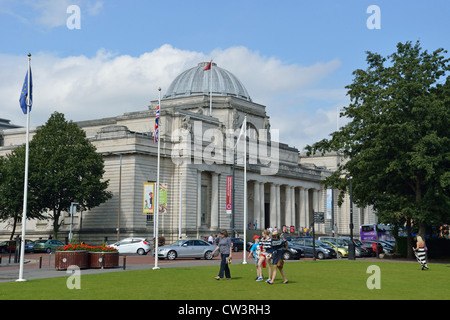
(208, 67)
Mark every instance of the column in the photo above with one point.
(199, 201)
(288, 206)
(256, 204)
(278, 201)
(215, 201)
(262, 222)
(273, 205)
(306, 195)
(292, 207)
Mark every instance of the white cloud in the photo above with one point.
(108, 85)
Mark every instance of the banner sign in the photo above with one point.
(149, 195)
(229, 194)
(163, 197)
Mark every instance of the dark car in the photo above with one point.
(238, 244)
(293, 252)
(8, 246)
(323, 251)
(344, 241)
(373, 245)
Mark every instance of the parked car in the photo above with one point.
(341, 252)
(293, 252)
(29, 246)
(374, 245)
(387, 246)
(7, 246)
(47, 245)
(238, 244)
(195, 248)
(344, 241)
(323, 251)
(140, 246)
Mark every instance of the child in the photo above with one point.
(256, 250)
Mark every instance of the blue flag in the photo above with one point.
(24, 94)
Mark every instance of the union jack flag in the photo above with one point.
(156, 136)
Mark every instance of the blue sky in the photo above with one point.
(295, 57)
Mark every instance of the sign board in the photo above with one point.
(319, 217)
(229, 194)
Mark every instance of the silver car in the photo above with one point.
(187, 249)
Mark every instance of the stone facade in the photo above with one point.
(196, 158)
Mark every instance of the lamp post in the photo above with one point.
(351, 245)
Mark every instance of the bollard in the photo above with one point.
(124, 262)
(40, 261)
(103, 261)
(0, 259)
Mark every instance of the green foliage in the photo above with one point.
(12, 172)
(66, 168)
(398, 139)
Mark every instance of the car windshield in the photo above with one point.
(178, 243)
(41, 241)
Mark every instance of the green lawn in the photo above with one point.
(343, 280)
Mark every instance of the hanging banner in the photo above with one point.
(163, 197)
(148, 197)
(229, 194)
(329, 203)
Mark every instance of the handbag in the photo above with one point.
(229, 260)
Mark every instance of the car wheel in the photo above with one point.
(140, 251)
(208, 255)
(286, 255)
(320, 255)
(49, 250)
(339, 255)
(171, 255)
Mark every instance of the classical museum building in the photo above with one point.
(199, 144)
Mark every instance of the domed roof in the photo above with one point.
(195, 81)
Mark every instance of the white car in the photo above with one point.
(133, 245)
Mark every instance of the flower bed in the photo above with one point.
(85, 256)
(64, 259)
(111, 259)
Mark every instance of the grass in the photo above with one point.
(341, 280)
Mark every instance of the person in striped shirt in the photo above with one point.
(264, 258)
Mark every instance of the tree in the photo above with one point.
(398, 139)
(66, 168)
(12, 169)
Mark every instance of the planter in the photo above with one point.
(111, 259)
(64, 259)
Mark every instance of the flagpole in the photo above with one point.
(245, 190)
(25, 187)
(210, 89)
(156, 208)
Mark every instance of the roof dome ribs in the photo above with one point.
(195, 81)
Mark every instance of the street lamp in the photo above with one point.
(351, 245)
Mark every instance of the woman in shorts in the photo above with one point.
(264, 258)
(277, 256)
